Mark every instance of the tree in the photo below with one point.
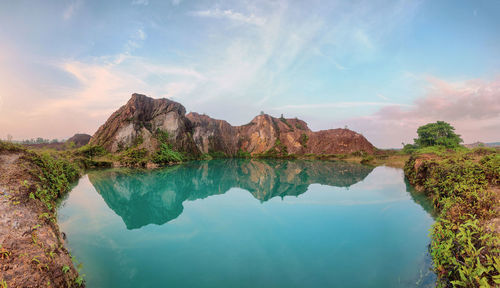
(439, 133)
(9, 137)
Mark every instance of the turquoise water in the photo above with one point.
(248, 223)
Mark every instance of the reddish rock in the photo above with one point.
(135, 124)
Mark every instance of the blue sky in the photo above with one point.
(380, 67)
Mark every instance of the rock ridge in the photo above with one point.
(135, 125)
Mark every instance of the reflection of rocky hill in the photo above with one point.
(144, 197)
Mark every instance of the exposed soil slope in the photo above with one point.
(32, 252)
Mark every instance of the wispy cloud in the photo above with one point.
(140, 2)
(339, 105)
(71, 9)
(231, 15)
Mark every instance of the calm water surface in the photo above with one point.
(248, 223)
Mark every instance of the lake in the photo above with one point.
(249, 223)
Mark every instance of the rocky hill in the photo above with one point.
(139, 121)
(79, 139)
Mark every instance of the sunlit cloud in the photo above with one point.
(472, 107)
(338, 105)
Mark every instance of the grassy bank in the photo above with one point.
(462, 184)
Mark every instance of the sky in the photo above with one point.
(381, 68)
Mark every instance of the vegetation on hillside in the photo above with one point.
(465, 250)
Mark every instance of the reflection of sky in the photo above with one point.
(373, 228)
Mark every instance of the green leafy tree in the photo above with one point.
(439, 133)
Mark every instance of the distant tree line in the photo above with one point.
(38, 140)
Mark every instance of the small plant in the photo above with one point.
(4, 253)
(282, 119)
(79, 280)
(3, 284)
(65, 269)
(162, 136)
(303, 140)
(35, 260)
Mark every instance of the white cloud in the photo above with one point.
(231, 15)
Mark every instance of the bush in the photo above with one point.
(367, 159)
(90, 151)
(303, 140)
(166, 155)
(134, 157)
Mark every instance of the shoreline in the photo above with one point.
(464, 187)
(34, 246)
(32, 251)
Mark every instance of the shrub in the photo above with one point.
(166, 155)
(134, 157)
(90, 151)
(367, 159)
(303, 140)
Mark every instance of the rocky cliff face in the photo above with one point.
(136, 123)
(265, 132)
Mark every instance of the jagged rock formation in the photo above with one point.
(136, 123)
(79, 139)
(264, 131)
